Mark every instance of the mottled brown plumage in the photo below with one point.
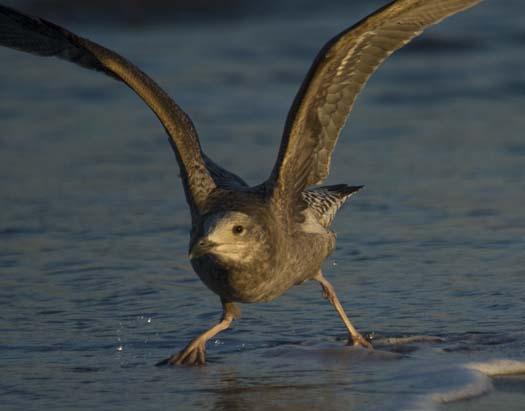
(337, 75)
(251, 244)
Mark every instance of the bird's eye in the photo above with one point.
(238, 229)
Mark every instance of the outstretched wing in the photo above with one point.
(330, 88)
(38, 36)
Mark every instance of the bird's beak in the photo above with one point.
(201, 247)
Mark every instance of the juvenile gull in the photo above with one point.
(251, 244)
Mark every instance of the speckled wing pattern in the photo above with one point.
(338, 74)
(325, 201)
(38, 36)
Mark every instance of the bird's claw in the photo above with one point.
(359, 341)
(194, 354)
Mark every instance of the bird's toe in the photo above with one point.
(360, 341)
(189, 356)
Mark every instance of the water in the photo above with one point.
(95, 283)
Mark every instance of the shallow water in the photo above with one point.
(95, 283)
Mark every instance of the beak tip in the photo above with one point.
(200, 248)
(193, 253)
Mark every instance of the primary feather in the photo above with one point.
(327, 95)
(38, 36)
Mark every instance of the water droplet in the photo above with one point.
(148, 320)
(120, 348)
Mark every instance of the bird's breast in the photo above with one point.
(267, 278)
(245, 284)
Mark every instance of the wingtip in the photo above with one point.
(353, 189)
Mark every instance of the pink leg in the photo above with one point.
(195, 352)
(355, 337)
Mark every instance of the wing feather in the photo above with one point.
(38, 36)
(326, 97)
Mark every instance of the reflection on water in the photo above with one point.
(95, 284)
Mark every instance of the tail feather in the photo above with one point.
(325, 201)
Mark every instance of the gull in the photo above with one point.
(250, 244)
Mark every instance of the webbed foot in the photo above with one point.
(357, 340)
(193, 354)
(195, 351)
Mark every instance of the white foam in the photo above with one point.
(465, 381)
(478, 380)
(479, 384)
(498, 367)
(407, 340)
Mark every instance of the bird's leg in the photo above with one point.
(355, 337)
(195, 352)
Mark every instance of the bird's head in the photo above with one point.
(230, 236)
